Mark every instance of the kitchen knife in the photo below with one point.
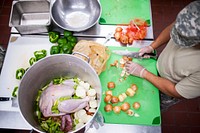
(133, 54)
(14, 100)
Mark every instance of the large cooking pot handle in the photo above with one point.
(88, 58)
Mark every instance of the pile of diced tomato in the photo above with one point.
(136, 30)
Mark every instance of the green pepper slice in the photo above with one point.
(72, 39)
(67, 49)
(14, 93)
(67, 33)
(53, 36)
(32, 60)
(19, 73)
(54, 50)
(62, 41)
(40, 54)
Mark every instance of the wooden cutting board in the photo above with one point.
(123, 11)
(147, 94)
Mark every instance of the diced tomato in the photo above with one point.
(137, 29)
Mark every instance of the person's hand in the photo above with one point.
(135, 69)
(146, 49)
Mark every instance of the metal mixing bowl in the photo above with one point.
(75, 15)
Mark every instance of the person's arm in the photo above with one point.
(163, 37)
(163, 84)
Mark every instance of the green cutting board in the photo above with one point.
(147, 94)
(123, 11)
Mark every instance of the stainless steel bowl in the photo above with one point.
(75, 15)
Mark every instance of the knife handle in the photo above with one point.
(153, 55)
(4, 98)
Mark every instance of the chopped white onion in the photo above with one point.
(91, 92)
(136, 115)
(85, 118)
(80, 113)
(93, 103)
(80, 91)
(80, 124)
(92, 110)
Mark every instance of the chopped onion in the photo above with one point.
(85, 118)
(117, 109)
(109, 92)
(130, 112)
(136, 105)
(130, 92)
(136, 115)
(134, 87)
(91, 92)
(125, 106)
(121, 97)
(107, 98)
(92, 110)
(93, 103)
(124, 95)
(108, 108)
(79, 125)
(80, 113)
(122, 61)
(111, 85)
(123, 73)
(86, 86)
(114, 99)
(80, 91)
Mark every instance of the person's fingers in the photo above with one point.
(146, 56)
(141, 54)
(132, 70)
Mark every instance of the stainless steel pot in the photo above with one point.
(44, 71)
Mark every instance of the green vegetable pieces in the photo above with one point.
(67, 33)
(54, 50)
(40, 54)
(14, 93)
(53, 36)
(65, 44)
(32, 60)
(19, 73)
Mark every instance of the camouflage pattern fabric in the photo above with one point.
(186, 30)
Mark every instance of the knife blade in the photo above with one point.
(133, 54)
(13, 99)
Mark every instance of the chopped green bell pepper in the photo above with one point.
(62, 41)
(67, 49)
(19, 73)
(40, 54)
(67, 33)
(32, 60)
(57, 81)
(54, 50)
(14, 93)
(53, 36)
(72, 39)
